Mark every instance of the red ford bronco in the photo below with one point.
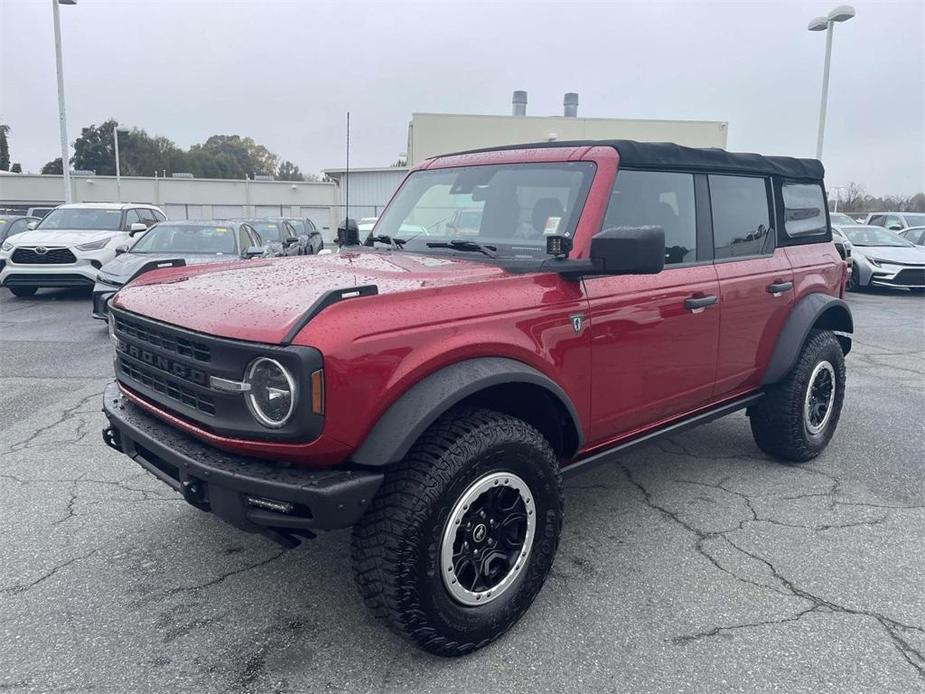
(430, 389)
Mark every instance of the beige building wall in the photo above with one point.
(432, 134)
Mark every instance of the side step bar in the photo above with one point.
(675, 427)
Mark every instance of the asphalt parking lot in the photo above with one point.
(696, 564)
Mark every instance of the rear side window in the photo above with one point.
(804, 210)
(741, 216)
(656, 198)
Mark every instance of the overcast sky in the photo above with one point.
(285, 73)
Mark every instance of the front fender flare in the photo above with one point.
(816, 308)
(421, 405)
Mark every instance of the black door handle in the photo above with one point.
(697, 304)
(779, 287)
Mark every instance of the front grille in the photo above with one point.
(912, 276)
(165, 340)
(167, 386)
(52, 256)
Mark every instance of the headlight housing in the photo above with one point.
(273, 392)
(874, 261)
(93, 245)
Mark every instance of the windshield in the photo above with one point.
(269, 231)
(914, 220)
(187, 239)
(839, 218)
(82, 219)
(510, 207)
(873, 236)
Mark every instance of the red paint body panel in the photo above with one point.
(652, 360)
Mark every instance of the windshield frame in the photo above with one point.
(510, 248)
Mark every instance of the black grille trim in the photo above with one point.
(163, 339)
(53, 256)
(167, 386)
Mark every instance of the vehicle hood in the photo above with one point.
(121, 268)
(262, 300)
(61, 237)
(896, 254)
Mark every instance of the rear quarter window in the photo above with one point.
(804, 210)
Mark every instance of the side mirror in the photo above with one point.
(31, 225)
(253, 252)
(123, 248)
(291, 241)
(136, 228)
(348, 233)
(895, 227)
(629, 250)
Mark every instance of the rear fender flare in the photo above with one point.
(813, 310)
(421, 405)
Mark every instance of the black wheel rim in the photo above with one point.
(820, 395)
(487, 538)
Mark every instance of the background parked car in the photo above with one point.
(914, 235)
(882, 258)
(280, 236)
(10, 225)
(71, 244)
(894, 221)
(839, 218)
(842, 244)
(306, 228)
(193, 242)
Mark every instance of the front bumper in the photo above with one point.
(253, 495)
(102, 293)
(903, 277)
(81, 273)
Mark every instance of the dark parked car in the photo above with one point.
(174, 243)
(431, 394)
(286, 236)
(306, 228)
(10, 225)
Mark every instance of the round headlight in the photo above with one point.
(272, 395)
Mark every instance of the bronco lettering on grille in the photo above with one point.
(166, 365)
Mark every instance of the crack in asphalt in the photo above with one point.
(892, 627)
(66, 415)
(23, 587)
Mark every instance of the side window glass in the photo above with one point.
(804, 210)
(656, 198)
(741, 216)
(892, 222)
(159, 216)
(877, 220)
(131, 217)
(298, 228)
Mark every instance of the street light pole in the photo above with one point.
(62, 114)
(841, 13)
(115, 135)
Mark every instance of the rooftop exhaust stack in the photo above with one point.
(519, 103)
(570, 105)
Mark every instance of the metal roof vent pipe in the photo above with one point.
(519, 103)
(570, 105)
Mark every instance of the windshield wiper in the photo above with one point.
(394, 244)
(463, 245)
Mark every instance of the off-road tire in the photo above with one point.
(778, 423)
(23, 291)
(396, 546)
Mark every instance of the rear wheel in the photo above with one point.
(463, 532)
(23, 291)
(797, 417)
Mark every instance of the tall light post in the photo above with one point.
(115, 137)
(842, 13)
(62, 117)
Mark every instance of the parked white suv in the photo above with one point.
(69, 246)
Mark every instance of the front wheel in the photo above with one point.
(460, 538)
(797, 417)
(23, 291)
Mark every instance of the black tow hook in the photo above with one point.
(112, 439)
(193, 494)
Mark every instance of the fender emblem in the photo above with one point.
(576, 322)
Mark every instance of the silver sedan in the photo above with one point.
(882, 258)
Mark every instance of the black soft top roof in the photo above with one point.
(667, 155)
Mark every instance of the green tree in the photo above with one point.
(4, 148)
(233, 156)
(53, 167)
(289, 172)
